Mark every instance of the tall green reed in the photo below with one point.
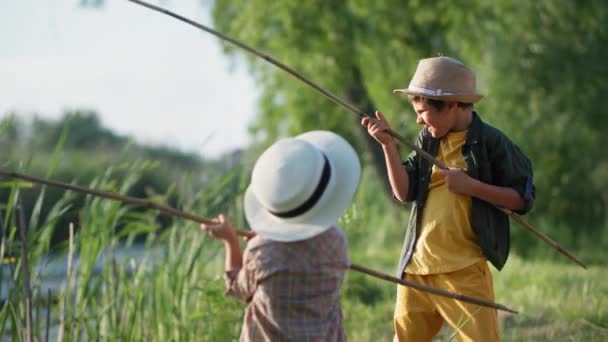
(165, 294)
(27, 248)
(169, 289)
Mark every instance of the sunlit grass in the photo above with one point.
(557, 301)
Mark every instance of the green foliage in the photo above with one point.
(286, 105)
(86, 132)
(540, 64)
(556, 110)
(77, 148)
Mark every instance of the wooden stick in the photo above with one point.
(424, 288)
(174, 212)
(541, 235)
(110, 195)
(352, 109)
(432, 290)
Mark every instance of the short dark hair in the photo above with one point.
(465, 105)
(437, 104)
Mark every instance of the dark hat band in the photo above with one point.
(313, 199)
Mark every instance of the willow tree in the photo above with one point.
(540, 64)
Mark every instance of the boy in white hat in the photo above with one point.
(292, 269)
(453, 230)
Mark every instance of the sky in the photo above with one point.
(146, 74)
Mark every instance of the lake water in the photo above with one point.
(51, 271)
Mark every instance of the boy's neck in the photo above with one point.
(464, 118)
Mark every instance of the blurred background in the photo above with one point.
(108, 94)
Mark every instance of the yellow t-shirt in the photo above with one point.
(445, 241)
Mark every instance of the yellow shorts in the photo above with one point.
(420, 315)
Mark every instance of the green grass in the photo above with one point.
(557, 301)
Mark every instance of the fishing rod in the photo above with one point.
(165, 209)
(516, 217)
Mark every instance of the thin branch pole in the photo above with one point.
(356, 111)
(429, 289)
(419, 287)
(542, 236)
(175, 212)
(291, 71)
(106, 194)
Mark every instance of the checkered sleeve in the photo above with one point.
(241, 283)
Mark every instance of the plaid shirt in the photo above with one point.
(293, 288)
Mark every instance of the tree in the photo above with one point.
(329, 42)
(541, 65)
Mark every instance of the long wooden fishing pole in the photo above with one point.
(517, 218)
(109, 195)
(174, 212)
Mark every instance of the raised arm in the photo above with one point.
(397, 175)
(223, 230)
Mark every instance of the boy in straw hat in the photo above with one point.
(453, 230)
(292, 269)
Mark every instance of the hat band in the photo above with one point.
(430, 92)
(313, 199)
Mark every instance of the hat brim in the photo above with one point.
(337, 197)
(464, 98)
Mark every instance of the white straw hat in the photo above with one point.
(443, 78)
(301, 186)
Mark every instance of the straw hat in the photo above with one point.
(443, 78)
(301, 186)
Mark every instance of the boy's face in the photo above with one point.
(437, 116)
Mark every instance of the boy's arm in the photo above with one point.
(502, 196)
(397, 174)
(240, 281)
(511, 168)
(459, 182)
(222, 229)
(511, 174)
(233, 254)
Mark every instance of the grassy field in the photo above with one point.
(556, 302)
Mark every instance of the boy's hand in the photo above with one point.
(221, 229)
(378, 128)
(250, 235)
(458, 181)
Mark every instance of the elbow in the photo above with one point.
(402, 194)
(525, 206)
(527, 195)
(399, 199)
